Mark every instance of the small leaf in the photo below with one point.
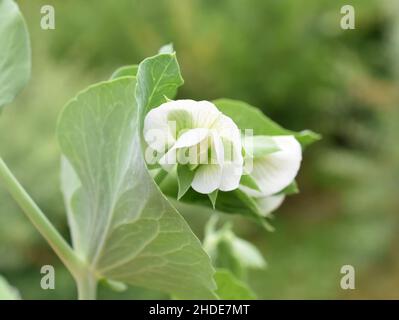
(213, 196)
(167, 48)
(248, 181)
(125, 71)
(184, 178)
(249, 117)
(157, 77)
(15, 53)
(255, 212)
(291, 189)
(230, 288)
(7, 292)
(307, 137)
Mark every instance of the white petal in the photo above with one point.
(157, 133)
(231, 138)
(203, 119)
(227, 128)
(270, 203)
(207, 178)
(191, 137)
(217, 150)
(231, 175)
(276, 171)
(204, 113)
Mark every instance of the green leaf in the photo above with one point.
(15, 60)
(290, 189)
(230, 288)
(248, 181)
(184, 178)
(249, 117)
(125, 71)
(254, 210)
(120, 222)
(158, 78)
(167, 48)
(6, 291)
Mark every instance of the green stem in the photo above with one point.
(40, 221)
(160, 176)
(87, 286)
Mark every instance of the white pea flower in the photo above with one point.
(272, 172)
(197, 135)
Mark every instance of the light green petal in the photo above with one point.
(248, 253)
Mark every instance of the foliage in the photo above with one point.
(304, 72)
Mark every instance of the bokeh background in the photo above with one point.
(290, 58)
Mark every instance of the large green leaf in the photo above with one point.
(120, 221)
(7, 292)
(249, 117)
(15, 60)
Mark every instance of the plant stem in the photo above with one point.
(160, 176)
(40, 221)
(87, 286)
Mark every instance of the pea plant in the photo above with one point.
(130, 151)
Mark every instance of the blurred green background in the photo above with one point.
(290, 58)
